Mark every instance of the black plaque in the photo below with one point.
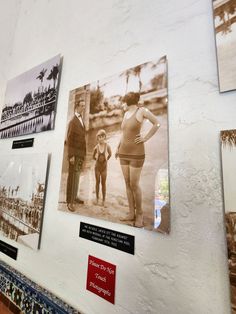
(8, 249)
(117, 240)
(29, 142)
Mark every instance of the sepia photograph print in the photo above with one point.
(224, 12)
(228, 157)
(115, 163)
(22, 195)
(30, 100)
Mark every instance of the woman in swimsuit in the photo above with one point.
(132, 154)
(101, 153)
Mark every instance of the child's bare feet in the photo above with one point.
(104, 204)
(96, 202)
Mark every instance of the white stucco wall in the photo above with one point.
(185, 272)
(8, 20)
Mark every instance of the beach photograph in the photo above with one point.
(115, 161)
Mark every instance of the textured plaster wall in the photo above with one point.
(185, 272)
(8, 19)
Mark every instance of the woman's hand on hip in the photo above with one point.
(139, 139)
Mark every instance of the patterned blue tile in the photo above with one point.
(28, 296)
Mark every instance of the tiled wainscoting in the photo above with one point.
(21, 295)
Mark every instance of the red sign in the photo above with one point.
(101, 278)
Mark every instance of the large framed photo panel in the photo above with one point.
(22, 197)
(115, 163)
(228, 154)
(30, 100)
(224, 12)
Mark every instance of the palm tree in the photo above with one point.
(228, 137)
(40, 188)
(127, 74)
(53, 74)
(41, 76)
(161, 60)
(28, 98)
(96, 98)
(157, 81)
(17, 189)
(225, 12)
(136, 71)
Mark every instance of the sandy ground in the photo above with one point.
(116, 200)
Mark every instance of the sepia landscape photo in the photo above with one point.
(30, 100)
(115, 163)
(22, 195)
(228, 152)
(225, 31)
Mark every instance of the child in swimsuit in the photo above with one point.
(101, 153)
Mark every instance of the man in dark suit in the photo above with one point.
(76, 154)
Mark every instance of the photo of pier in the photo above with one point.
(22, 195)
(30, 100)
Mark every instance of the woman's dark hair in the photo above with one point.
(131, 98)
